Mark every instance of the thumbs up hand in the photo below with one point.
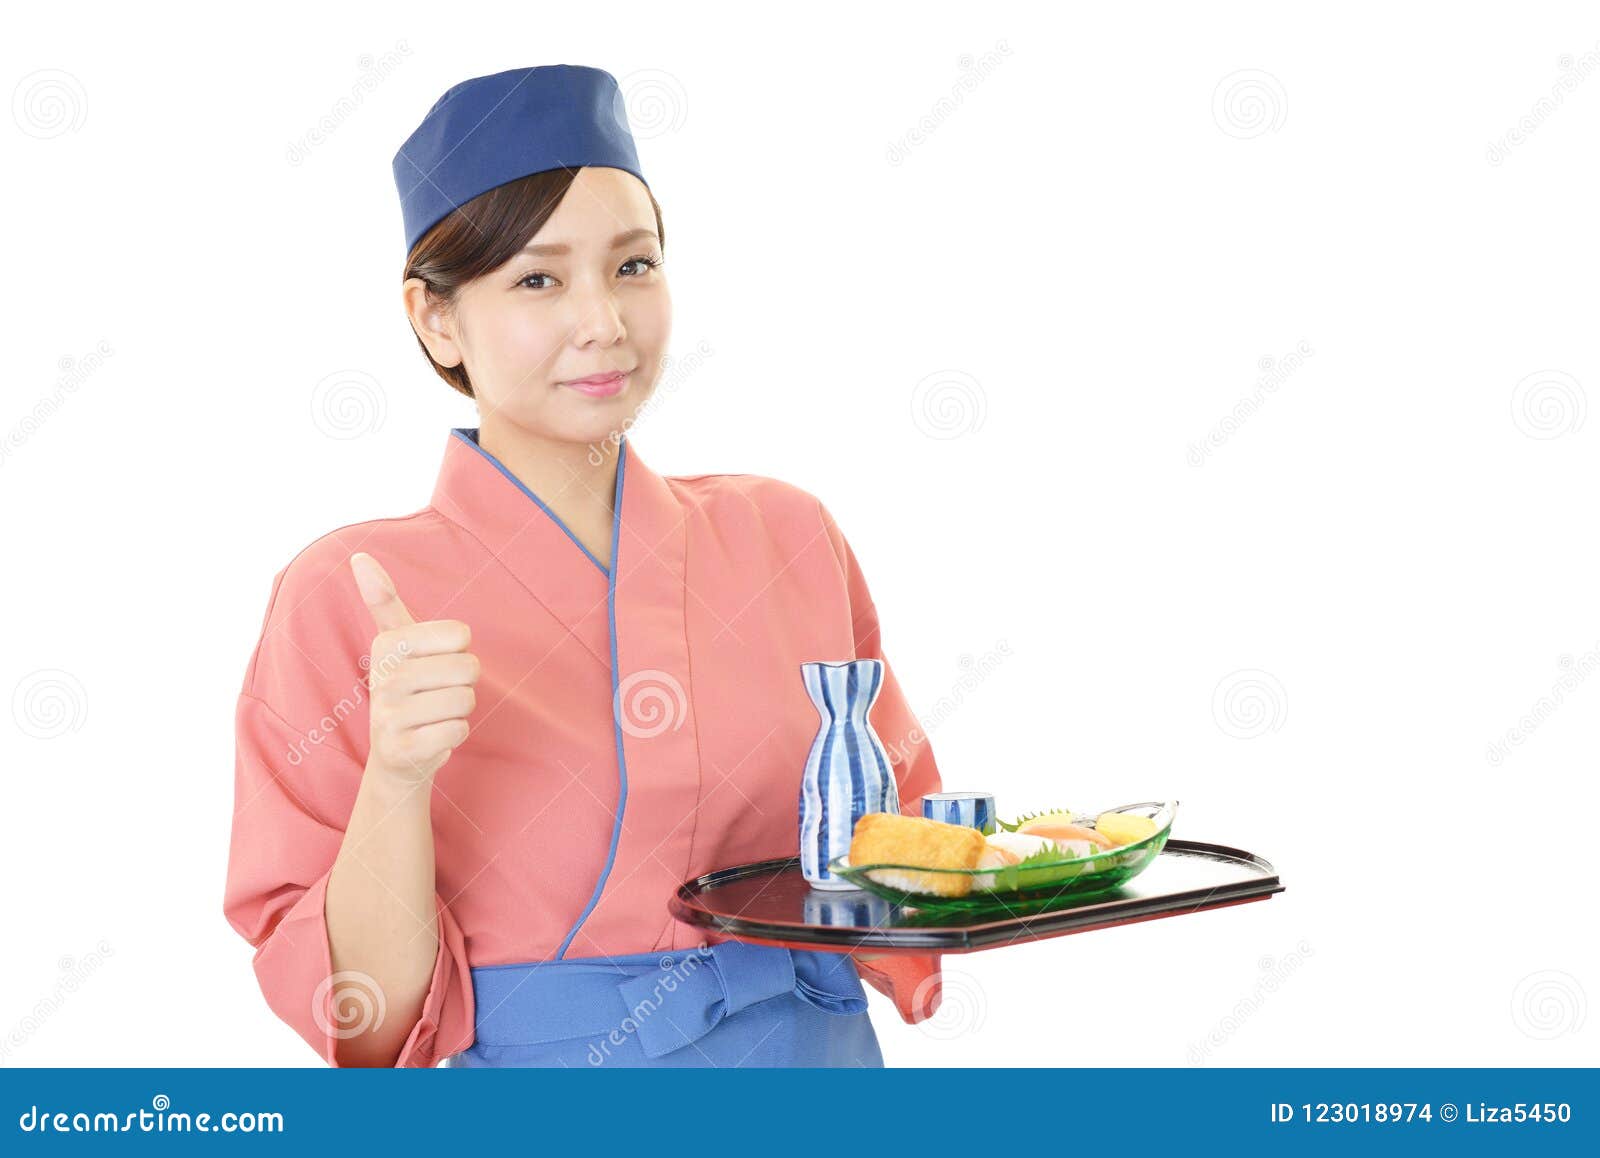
(421, 677)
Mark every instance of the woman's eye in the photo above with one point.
(639, 265)
(648, 263)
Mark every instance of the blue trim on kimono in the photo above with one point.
(616, 718)
(469, 435)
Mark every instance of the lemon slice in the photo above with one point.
(1122, 828)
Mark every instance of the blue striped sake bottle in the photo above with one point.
(847, 772)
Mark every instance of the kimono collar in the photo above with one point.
(477, 492)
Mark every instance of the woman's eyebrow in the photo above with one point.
(617, 242)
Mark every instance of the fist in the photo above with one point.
(421, 677)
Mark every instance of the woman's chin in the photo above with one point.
(593, 424)
(598, 415)
(570, 417)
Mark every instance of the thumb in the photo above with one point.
(378, 593)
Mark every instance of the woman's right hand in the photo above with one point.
(421, 679)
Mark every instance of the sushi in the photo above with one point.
(889, 838)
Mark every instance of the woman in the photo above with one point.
(479, 746)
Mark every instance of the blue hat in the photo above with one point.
(493, 129)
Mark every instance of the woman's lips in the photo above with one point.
(599, 386)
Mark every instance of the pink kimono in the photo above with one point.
(630, 732)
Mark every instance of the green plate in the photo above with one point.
(1034, 885)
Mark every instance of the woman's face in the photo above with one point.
(585, 298)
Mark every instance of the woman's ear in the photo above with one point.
(432, 322)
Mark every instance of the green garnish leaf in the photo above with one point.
(1027, 816)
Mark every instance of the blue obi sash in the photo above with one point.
(733, 1004)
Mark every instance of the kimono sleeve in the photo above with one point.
(910, 754)
(912, 981)
(294, 790)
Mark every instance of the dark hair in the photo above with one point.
(484, 234)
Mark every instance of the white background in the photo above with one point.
(996, 353)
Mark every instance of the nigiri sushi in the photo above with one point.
(1068, 835)
(1008, 848)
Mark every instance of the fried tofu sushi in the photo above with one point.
(889, 838)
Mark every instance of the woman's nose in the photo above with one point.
(597, 318)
